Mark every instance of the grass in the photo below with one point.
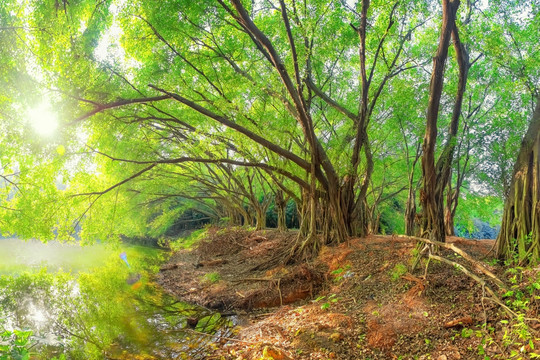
(398, 271)
(212, 277)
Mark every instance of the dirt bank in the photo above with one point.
(355, 301)
(223, 273)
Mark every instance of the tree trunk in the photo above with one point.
(303, 213)
(308, 242)
(519, 237)
(432, 207)
(248, 219)
(235, 217)
(434, 177)
(410, 208)
(281, 211)
(449, 209)
(260, 219)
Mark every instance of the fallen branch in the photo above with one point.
(256, 279)
(466, 320)
(476, 264)
(209, 335)
(479, 280)
(171, 266)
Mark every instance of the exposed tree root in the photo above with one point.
(479, 280)
(298, 251)
(476, 265)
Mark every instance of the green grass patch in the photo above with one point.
(398, 271)
(211, 278)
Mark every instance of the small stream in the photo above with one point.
(85, 302)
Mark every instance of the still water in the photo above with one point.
(87, 303)
(17, 256)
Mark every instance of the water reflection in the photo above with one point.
(98, 314)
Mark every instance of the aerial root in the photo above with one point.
(477, 266)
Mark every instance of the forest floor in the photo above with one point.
(355, 301)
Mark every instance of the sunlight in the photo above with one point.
(37, 316)
(43, 120)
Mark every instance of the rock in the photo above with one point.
(442, 357)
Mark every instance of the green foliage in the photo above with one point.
(187, 242)
(515, 335)
(466, 332)
(15, 344)
(209, 324)
(222, 126)
(398, 271)
(211, 278)
(331, 299)
(478, 207)
(392, 217)
(341, 272)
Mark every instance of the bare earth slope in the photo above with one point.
(355, 301)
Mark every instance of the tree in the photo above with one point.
(252, 102)
(436, 177)
(226, 92)
(520, 229)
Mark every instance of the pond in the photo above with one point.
(62, 301)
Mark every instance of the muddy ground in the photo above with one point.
(355, 301)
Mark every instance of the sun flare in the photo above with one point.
(43, 120)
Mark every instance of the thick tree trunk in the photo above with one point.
(432, 206)
(436, 177)
(308, 242)
(260, 219)
(519, 237)
(452, 198)
(303, 213)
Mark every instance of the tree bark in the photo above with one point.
(519, 237)
(260, 220)
(410, 208)
(281, 211)
(449, 211)
(435, 178)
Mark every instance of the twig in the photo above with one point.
(279, 290)
(257, 279)
(212, 335)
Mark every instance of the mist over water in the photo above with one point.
(18, 255)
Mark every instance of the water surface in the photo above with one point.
(19, 255)
(79, 302)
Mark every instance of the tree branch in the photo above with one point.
(102, 107)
